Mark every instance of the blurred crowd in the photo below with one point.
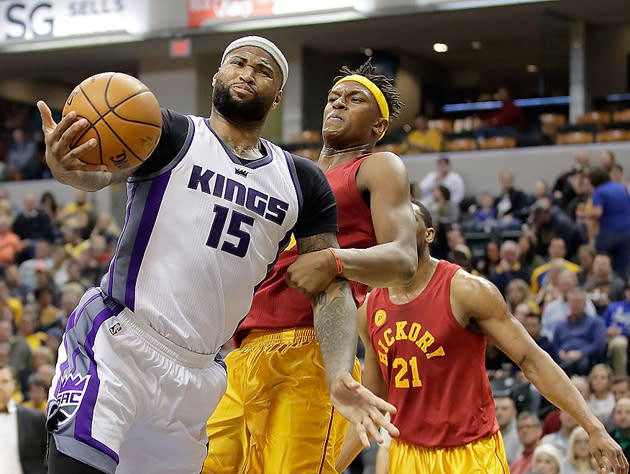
(49, 255)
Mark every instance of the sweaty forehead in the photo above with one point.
(349, 87)
(255, 55)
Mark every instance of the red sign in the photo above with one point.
(200, 11)
(180, 48)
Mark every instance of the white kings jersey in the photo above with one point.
(200, 234)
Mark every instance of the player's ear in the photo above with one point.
(214, 79)
(381, 125)
(430, 235)
(277, 100)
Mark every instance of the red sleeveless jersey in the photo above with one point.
(276, 305)
(433, 367)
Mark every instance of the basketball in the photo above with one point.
(123, 115)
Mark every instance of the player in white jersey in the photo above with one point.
(138, 372)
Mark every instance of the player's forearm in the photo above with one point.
(349, 450)
(381, 266)
(84, 180)
(555, 386)
(335, 322)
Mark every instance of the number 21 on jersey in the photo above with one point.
(403, 379)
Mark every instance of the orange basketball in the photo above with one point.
(124, 117)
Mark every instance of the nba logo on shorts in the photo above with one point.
(115, 329)
(70, 395)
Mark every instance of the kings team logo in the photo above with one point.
(70, 394)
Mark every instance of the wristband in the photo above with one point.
(337, 261)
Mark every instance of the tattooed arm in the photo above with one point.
(334, 315)
(335, 321)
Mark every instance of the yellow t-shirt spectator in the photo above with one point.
(432, 138)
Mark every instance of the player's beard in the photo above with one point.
(253, 110)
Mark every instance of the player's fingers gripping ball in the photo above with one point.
(123, 116)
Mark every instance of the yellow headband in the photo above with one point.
(373, 88)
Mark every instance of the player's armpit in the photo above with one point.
(315, 268)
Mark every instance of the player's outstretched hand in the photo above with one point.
(608, 454)
(312, 272)
(362, 408)
(60, 156)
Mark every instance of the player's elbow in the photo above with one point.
(407, 267)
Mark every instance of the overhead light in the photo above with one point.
(532, 68)
(476, 45)
(368, 52)
(440, 47)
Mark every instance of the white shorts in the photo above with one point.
(126, 400)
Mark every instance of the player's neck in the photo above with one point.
(235, 134)
(332, 156)
(409, 292)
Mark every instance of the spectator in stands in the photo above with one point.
(42, 261)
(621, 431)
(556, 249)
(605, 286)
(551, 284)
(517, 292)
(74, 245)
(620, 389)
(511, 203)
(533, 326)
(443, 209)
(423, 139)
(21, 157)
(509, 267)
(22, 431)
(19, 351)
(529, 431)
(79, 214)
(28, 328)
(607, 160)
(30, 225)
(549, 223)
(442, 176)
(48, 311)
(505, 411)
(558, 310)
(586, 257)
(581, 162)
(617, 321)
(529, 258)
(541, 189)
(48, 204)
(560, 439)
(13, 280)
(491, 259)
(578, 459)
(611, 205)
(70, 298)
(547, 460)
(581, 339)
(616, 174)
(485, 212)
(37, 394)
(507, 121)
(10, 245)
(602, 400)
(107, 227)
